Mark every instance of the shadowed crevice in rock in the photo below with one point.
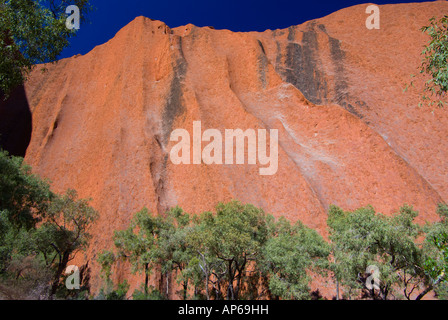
(15, 122)
(158, 169)
(51, 132)
(262, 65)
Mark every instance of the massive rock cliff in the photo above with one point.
(348, 134)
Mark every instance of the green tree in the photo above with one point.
(24, 197)
(154, 242)
(289, 255)
(234, 236)
(201, 265)
(136, 243)
(205, 268)
(64, 233)
(173, 252)
(239, 252)
(365, 238)
(40, 231)
(23, 273)
(437, 266)
(24, 200)
(434, 63)
(31, 32)
(436, 245)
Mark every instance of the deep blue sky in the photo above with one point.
(110, 16)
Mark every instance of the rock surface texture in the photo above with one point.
(348, 134)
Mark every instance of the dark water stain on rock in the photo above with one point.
(337, 57)
(301, 67)
(174, 103)
(174, 107)
(262, 65)
(352, 104)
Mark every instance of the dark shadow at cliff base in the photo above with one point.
(15, 122)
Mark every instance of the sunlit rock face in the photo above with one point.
(347, 133)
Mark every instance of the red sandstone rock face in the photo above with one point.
(348, 135)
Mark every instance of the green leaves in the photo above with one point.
(435, 61)
(391, 243)
(32, 32)
(222, 255)
(23, 195)
(236, 232)
(38, 228)
(437, 266)
(288, 256)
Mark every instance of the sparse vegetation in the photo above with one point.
(434, 65)
(435, 61)
(31, 32)
(40, 232)
(236, 252)
(240, 252)
(395, 245)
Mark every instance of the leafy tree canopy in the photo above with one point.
(434, 63)
(31, 32)
(365, 238)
